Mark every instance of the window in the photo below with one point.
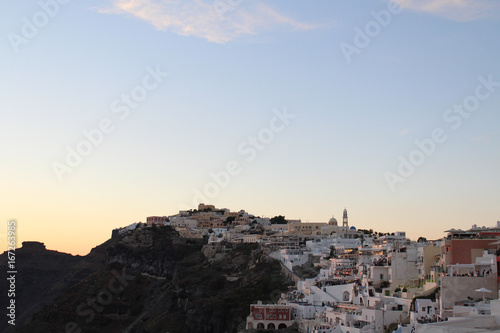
(381, 276)
(258, 316)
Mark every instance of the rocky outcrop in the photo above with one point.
(42, 275)
(154, 281)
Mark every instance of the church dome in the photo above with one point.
(333, 221)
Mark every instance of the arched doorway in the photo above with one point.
(271, 326)
(281, 326)
(260, 325)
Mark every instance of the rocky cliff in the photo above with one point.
(42, 275)
(154, 281)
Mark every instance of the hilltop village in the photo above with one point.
(350, 280)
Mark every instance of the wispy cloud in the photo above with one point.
(458, 10)
(202, 18)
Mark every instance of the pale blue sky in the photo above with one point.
(226, 76)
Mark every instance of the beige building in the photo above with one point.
(319, 229)
(313, 228)
(250, 238)
(189, 233)
(324, 229)
(202, 206)
(183, 222)
(427, 257)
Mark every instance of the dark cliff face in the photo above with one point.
(154, 281)
(42, 275)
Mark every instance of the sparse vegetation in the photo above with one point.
(278, 220)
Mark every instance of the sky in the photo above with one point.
(117, 110)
